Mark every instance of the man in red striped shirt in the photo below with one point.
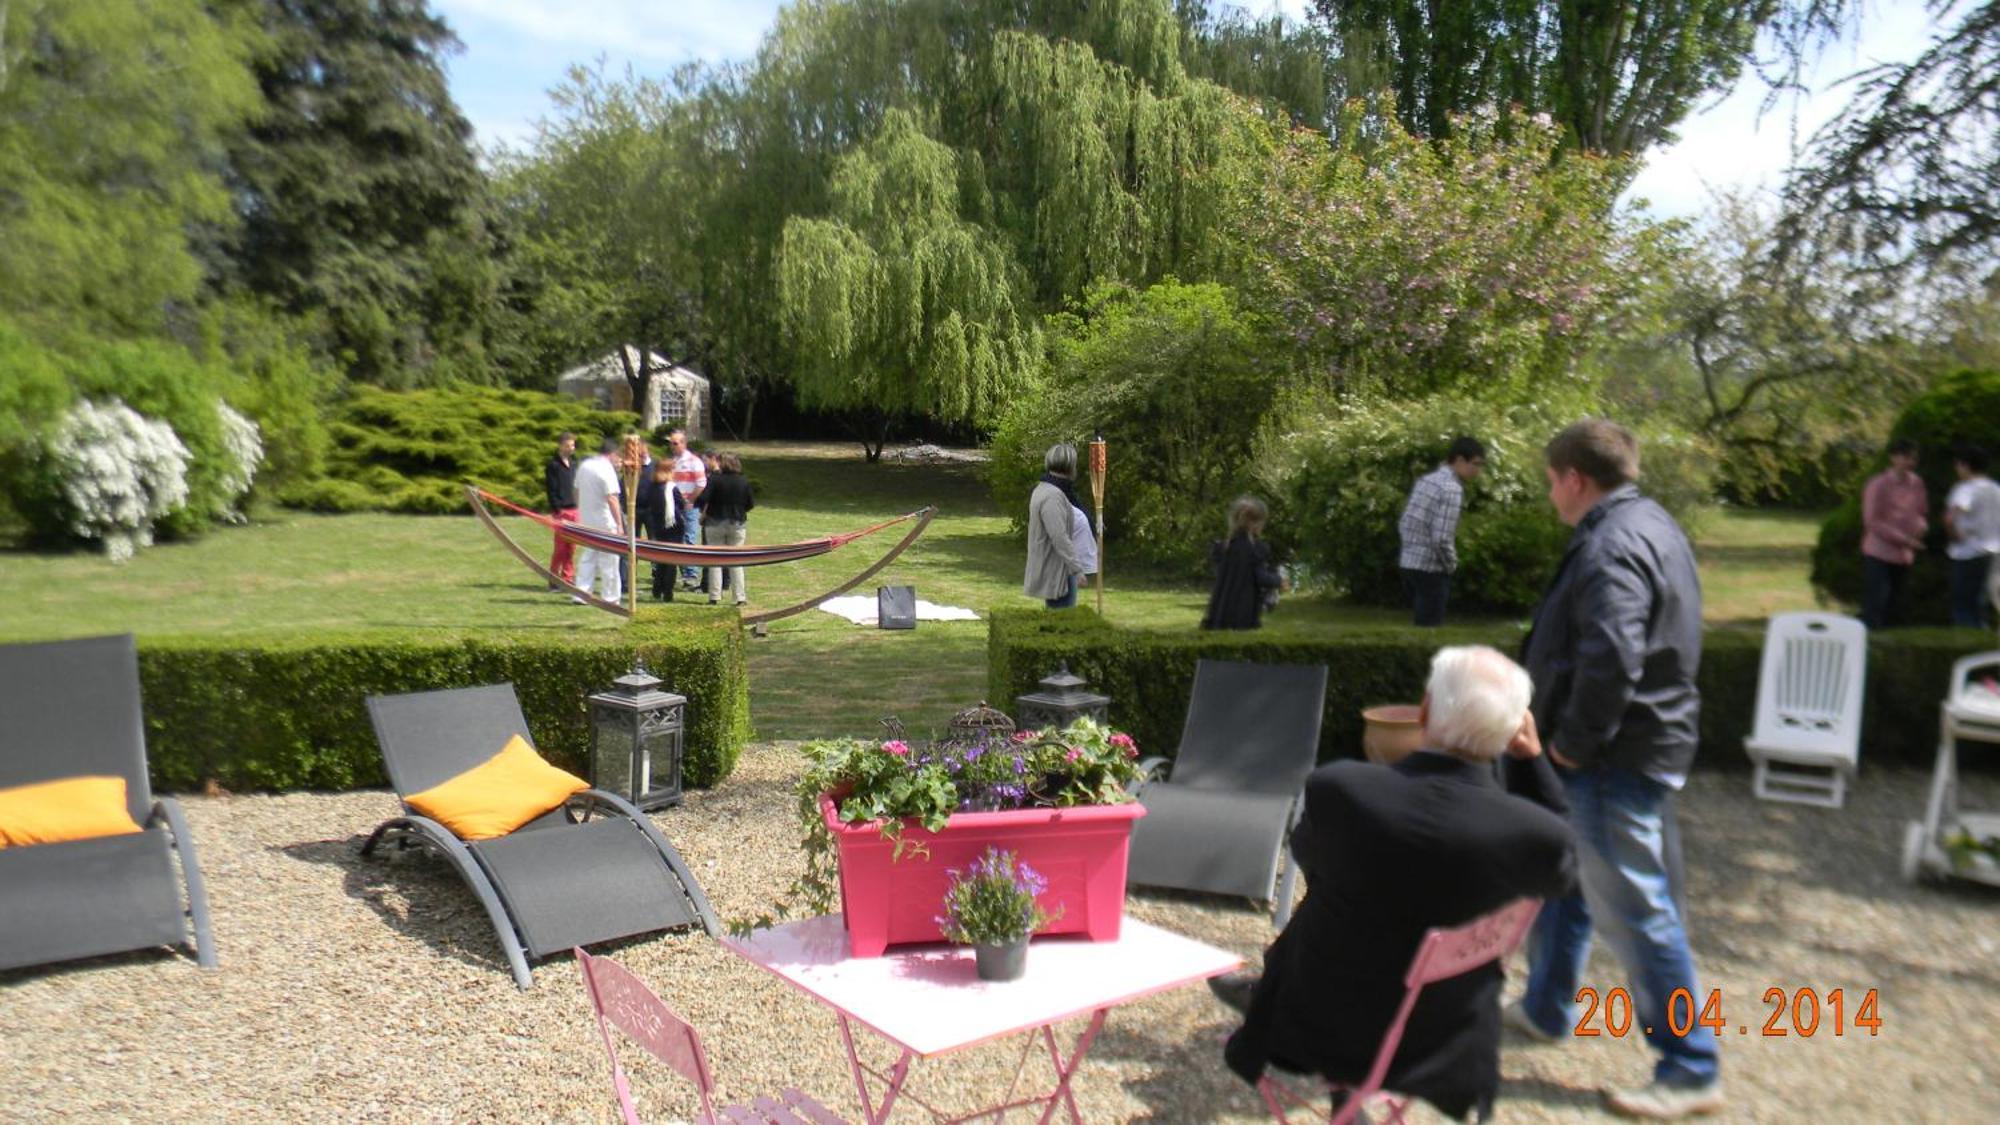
(690, 480)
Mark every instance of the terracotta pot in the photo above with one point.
(1390, 731)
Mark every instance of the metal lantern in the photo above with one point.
(1063, 698)
(977, 723)
(635, 740)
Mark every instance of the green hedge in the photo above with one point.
(1149, 675)
(289, 714)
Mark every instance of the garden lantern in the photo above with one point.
(1063, 699)
(635, 740)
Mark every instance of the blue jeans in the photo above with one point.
(1068, 600)
(1880, 583)
(690, 534)
(1968, 591)
(1622, 836)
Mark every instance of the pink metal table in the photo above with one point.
(927, 1000)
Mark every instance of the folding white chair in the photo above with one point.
(1807, 740)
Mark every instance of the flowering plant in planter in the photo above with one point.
(993, 902)
(894, 782)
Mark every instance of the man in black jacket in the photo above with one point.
(1613, 652)
(559, 482)
(1392, 851)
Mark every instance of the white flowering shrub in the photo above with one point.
(244, 444)
(116, 473)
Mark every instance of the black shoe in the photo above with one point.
(1234, 989)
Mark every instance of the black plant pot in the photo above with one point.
(1002, 962)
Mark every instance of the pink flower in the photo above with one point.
(1124, 742)
(897, 747)
(1073, 754)
(1026, 735)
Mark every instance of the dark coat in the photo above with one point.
(559, 482)
(1616, 643)
(1389, 852)
(658, 507)
(727, 498)
(1243, 575)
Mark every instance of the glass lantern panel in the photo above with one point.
(663, 748)
(611, 756)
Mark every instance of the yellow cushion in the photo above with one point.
(499, 794)
(75, 808)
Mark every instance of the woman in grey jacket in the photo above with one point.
(1053, 565)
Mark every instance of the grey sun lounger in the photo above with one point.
(590, 871)
(1219, 821)
(71, 709)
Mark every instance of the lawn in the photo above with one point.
(292, 572)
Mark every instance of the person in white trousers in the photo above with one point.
(597, 507)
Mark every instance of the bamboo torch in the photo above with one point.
(1097, 466)
(634, 460)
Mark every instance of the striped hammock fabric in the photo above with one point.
(688, 554)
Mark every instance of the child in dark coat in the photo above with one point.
(1246, 583)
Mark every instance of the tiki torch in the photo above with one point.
(1097, 499)
(635, 457)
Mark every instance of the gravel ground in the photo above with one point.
(353, 989)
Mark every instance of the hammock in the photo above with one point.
(689, 554)
(683, 554)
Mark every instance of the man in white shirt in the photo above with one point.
(1972, 534)
(597, 507)
(690, 480)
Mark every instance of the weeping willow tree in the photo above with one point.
(892, 303)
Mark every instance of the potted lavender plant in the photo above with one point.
(992, 906)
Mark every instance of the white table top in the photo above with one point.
(929, 999)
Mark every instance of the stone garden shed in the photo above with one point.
(679, 395)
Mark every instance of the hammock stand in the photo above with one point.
(683, 554)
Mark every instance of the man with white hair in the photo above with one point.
(1437, 839)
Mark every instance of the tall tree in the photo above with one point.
(361, 200)
(112, 119)
(1617, 75)
(893, 303)
(1909, 172)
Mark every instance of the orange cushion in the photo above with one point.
(499, 794)
(75, 808)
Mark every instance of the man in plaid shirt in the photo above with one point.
(1429, 528)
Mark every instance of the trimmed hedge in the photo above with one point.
(1149, 675)
(254, 714)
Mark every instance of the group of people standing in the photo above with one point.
(1895, 514)
(687, 497)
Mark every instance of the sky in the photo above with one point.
(517, 50)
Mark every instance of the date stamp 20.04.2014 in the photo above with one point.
(1800, 1012)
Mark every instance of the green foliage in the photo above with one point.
(1962, 407)
(1342, 481)
(893, 303)
(279, 383)
(290, 714)
(1616, 76)
(414, 451)
(993, 902)
(158, 378)
(1177, 378)
(1479, 264)
(1149, 675)
(112, 118)
(361, 203)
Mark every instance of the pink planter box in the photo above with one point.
(1080, 850)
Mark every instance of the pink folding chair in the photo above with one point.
(1444, 954)
(623, 999)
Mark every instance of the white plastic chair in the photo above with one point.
(1971, 713)
(1807, 741)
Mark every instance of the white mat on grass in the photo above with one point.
(860, 609)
